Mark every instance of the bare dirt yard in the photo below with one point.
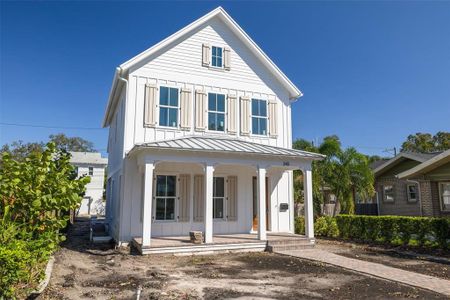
(86, 271)
(437, 265)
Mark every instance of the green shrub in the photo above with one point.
(395, 230)
(34, 194)
(300, 225)
(441, 231)
(326, 226)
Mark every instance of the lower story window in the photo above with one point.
(412, 192)
(388, 193)
(218, 197)
(444, 191)
(165, 197)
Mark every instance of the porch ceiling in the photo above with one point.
(215, 144)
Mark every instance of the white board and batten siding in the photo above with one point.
(181, 66)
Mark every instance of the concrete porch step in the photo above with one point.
(293, 244)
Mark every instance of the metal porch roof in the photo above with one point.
(226, 144)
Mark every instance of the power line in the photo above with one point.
(50, 127)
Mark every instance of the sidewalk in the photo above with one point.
(438, 285)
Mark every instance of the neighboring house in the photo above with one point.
(91, 164)
(200, 139)
(414, 184)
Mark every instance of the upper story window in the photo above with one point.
(168, 107)
(388, 191)
(216, 112)
(165, 197)
(216, 56)
(91, 171)
(259, 117)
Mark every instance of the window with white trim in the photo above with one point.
(217, 56)
(218, 197)
(165, 197)
(411, 190)
(388, 193)
(444, 195)
(91, 171)
(259, 117)
(216, 112)
(168, 106)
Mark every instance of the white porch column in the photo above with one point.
(209, 175)
(147, 207)
(308, 202)
(261, 203)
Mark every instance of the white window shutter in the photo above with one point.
(245, 115)
(183, 196)
(231, 114)
(200, 110)
(185, 109)
(150, 105)
(232, 198)
(206, 53)
(226, 58)
(199, 198)
(273, 132)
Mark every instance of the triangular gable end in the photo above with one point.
(158, 49)
(400, 158)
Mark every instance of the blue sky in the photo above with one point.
(371, 72)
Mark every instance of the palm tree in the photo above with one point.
(345, 172)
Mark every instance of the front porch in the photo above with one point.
(223, 242)
(239, 195)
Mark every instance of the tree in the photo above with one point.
(345, 172)
(425, 142)
(71, 143)
(20, 150)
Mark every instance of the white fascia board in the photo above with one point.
(426, 166)
(111, 100)
(294, 92)
(187, 154)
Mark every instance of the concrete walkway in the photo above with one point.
(435, 284)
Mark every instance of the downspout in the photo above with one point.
(122, 181)
(419, 193)
(378, 203)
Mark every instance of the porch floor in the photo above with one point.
(221, 242)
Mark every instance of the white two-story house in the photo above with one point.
(200, 139)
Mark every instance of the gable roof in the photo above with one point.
(93, 158)
(215, 144)
(220, 13)
(419, 157)
(426, 166)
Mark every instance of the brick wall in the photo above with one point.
(400, 206)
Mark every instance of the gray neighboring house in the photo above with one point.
(414, 184)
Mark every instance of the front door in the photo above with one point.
(255, 204)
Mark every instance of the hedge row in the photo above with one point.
(395, 230)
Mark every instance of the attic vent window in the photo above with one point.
(216, 57)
